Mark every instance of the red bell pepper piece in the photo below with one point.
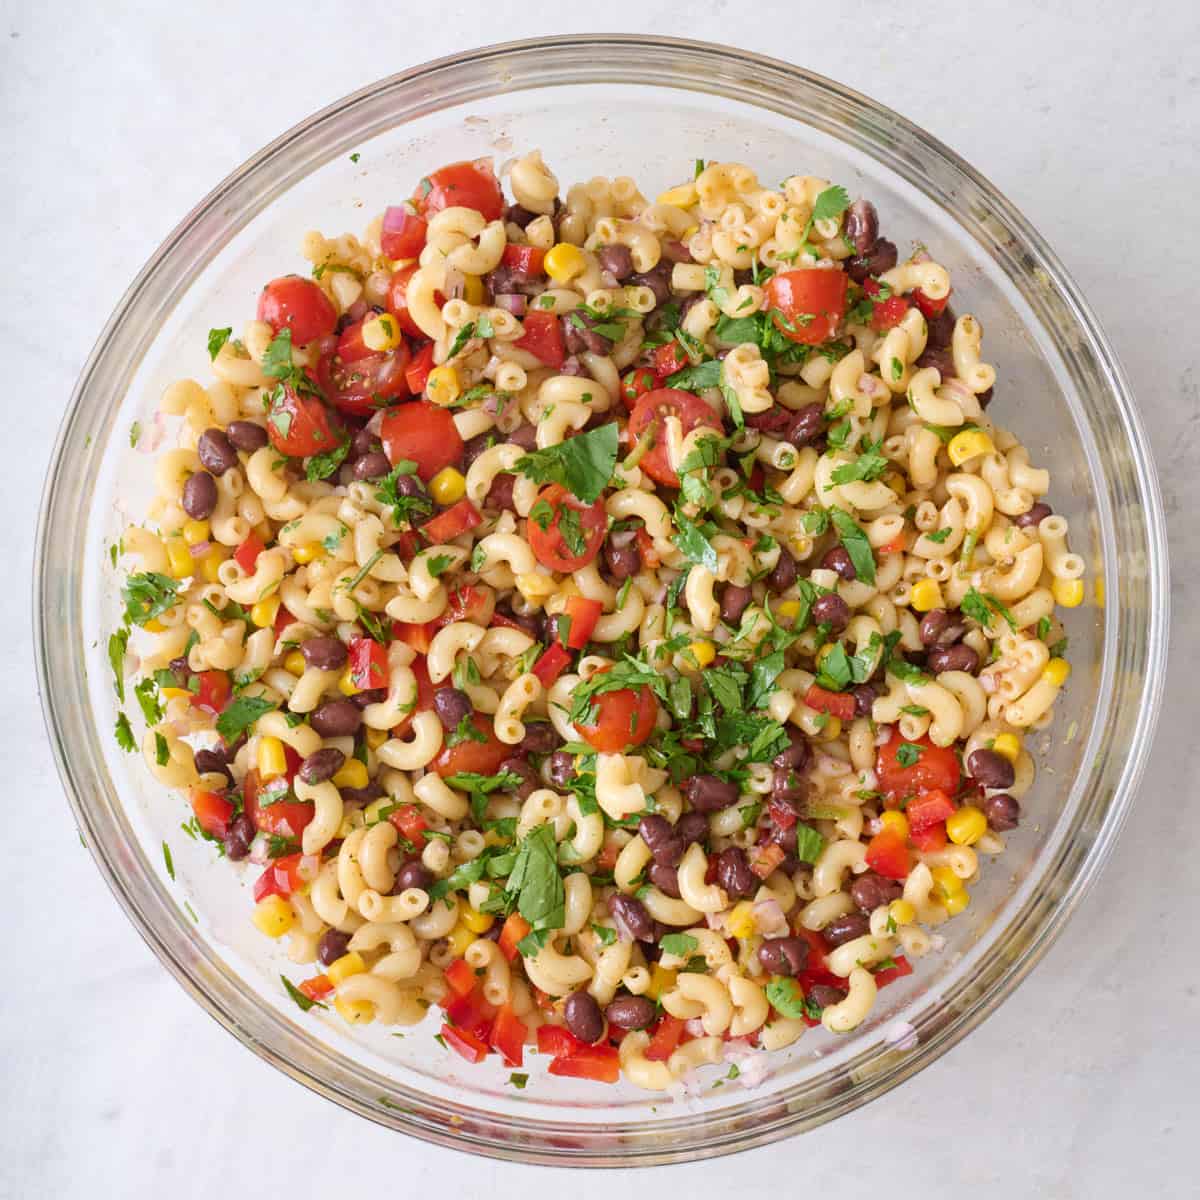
(452, 523)
(283, 619)
(369, 667)
(668, 359)
(930, 308)
(928, 809)
(834, 703)
(213, 812)
(930, 839)
(247, 553)
(407, 818)
(543, 338)
(515, 928)
(460, 977)
(463, 1042)
(903, 967)
(529, 259)
(280, 878)
(417, 636)
(583, 615)
(887, 855)
(600, 1063)
(664, 1038)
(557, 1041)
(316, 988)
(508, 1037)
(470, 1012)
(551, 664)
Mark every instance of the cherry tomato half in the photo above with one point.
(483, 756)
(461, 185)
(565, 549)
(396, 300)
(651, 411)
(299, 425)
(808, 304)
(424, 434)
(403, 232)
(358, 380)
(636, 384)
(287, 818)
(295, 303)
(623, 718)
(922, 768)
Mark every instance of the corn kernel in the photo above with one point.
(703, 652)
(740, 922)
(789, 608)
(895, 821)
(210, 566)
(477, 922)
(342, 968)
(902, 912)
(683, 196)
(376, 737)
(564, 262)
(1056, 671)
(381, 333)
(448, 486)
(308, 551)
(169, 693)
(154, 625)
(294, 664)
(354, 1012)
(967, 826)
(832, 730)
(926, 595)
(969, 444)
(535, 586)
(473, 292)
(351, 774)
(459, 938)
(1007, 745)
(274, 916)
(180, 558)
(442, 387)
(264, 613)
(661, 980)
(957, 901)
(1068, 592)
(346, 684)
(946, 882)
(195, 532)
(271, 759)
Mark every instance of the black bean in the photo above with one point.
(208, 761)
(336, 718)
(734, 874)
(324, 653)
(869, 891)
(525, 621)
(734, 602)
(524, 436)
(413, 874)
(216, 452)
(622, 561)
(783, 574)
(631, 912)
(238, 837)
(933, 625)
(246, 435)
(783, 955)
(580, 337)
(560, 768)
(838, 560)
(321, 765)
(583, 1017)
(708, 793)
(474, 447)
(631, 1012)
(500, 494)
(363, 795)
(862, 225)
(985, 397)
(540, 738)
(363, 442)
(451, 706)
(692, 827)
(845, 929)
(822, 995)
(952, 658)
(805, 425)
(362, 700)
(864, 699)
(199, 495)
(332, 946)
(657, 279)
(374, 465)
(938, 357)
(797, 754)
(512, 281)
(517, 215)
(830, 609)
(528, 776)
(939, 330)
(789, 787)
(882, 257)
(665, 878)
(663, 842)
(617, 261)
(1035, 516)
(1002, 812)
(991, 769)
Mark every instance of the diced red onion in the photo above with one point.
(695, 1027)
(769, 916)
(310, 865)
(676, 251)
(375, 424)
(395, 216)
(258, 850)
(199, 549)
(358, 310)
(883, 735)
(623, 930)
(491, 404)
(152, 438)
(512, 302)
(391, 366)
(622, 537)
(715, 920)
(455, 284)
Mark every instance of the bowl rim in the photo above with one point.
(613, 56)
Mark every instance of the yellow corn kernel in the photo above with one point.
(376, 737)
(832, 730)
(342, 968)
(195, 531)
(789, 608)
(210, 564)
(154, 625)
(902, 912)
(926, 595)
(957, 901)
(535, 586)
(477, 922)
(352, 774)
(740, 921)
(381, 332)
(459, 938)
(896, 821)
(492, 838)
(274, 916)
(346, 684)
(683, 196)
(169, 693)
(967, 826)
(1056, 671)
(1068, 592)
(473, 292)
(271, 759)
(1007, 745)
(448, 486)
(294, 664)
(180, 558)
(564, 262)
(661, 980)
(354, 1012)
(969, 444)
(689, 231)
(307, 552)
(703, 652)
(264, 613)
(946, 882)
(442, 387)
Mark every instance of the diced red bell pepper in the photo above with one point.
(316, 988)
(369, 667)
(664, 1038)
(247, 553)
(886, 312)
(903, 967)
(460, 977)
(645, 544)
(528, 259)
(583, 615)
(213, 812)
(543, 338)
(280, 878)
(416, 374)
(600, 1063)
(214, 692)
(668, 359)
(887, 855)
(407, 818)
(283, 619)
(515, 928)
(452, 523)
(930, 839)
(930, 308)
(767, 856)
(817, 949)
(782, 814)
(470, 1012)
(508, 1036)
(463, 1042)
(836, 704)
(552, 663)
(557, 1041)
(928, 809)
(898, 543)
(418, 636)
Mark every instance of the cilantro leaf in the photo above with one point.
(117, 643)
(786, 997)
(868, 466)
(693, 544)
(762, 679)
(216, 339)
(681, 944)
(124, 733)
(321, 466)
(583, 464)
(240, 715)
(465, 731)
(856, 544)
(693, 378)
(980, 606)
(831, 203)
(809, 843)
(907, 753)
(302, 1001)
(535, 881)
(147, 595)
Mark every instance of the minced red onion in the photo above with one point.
(310, 865)
(623, 930)
(491, 404)
(455, 284)
(258, 850)
(358, 310)
(694, 1027)
(512, 302)
(199, 549)
(150, 441)
(675, 251)
(883, 735)
(769, 916)
(622, 537)
(375, 424)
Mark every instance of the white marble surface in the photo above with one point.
(115, 118)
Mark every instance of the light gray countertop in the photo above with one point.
(116, 118)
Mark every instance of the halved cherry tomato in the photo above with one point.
(930, 308)
(455, 521)
(214, 693)
(837, 704)
(508, 1036)
(469, 603)
(887, 855)
(623, 718)
(357, 380)
(246, 555)
(889, 974)
(461, 185)
(582, 615)
(552, 662)
(403, 233)
(281, 877)
(283, 619)
(213, 812)
(483, 756)
(295, 303)
(396, 302)
(928, 809)
(527, 259)
(808, 305)
(584, 536)
(935, 767)
(887, 312)
(460, 977)
(557, 1041)
(817, 949)
(515, 928)
(668, 359)
(636, 384)
(664, 1038)
(418, 636)
(408, 820)
(287, 818)
(767, 856)
(422, 433)
(645, 543)
(898, 543)
(652, 409)
(463, 1042)
(425, 694)
(471, 1012)
(543, 338)
(369, 668)
(929, 840)
(316, 988)
(600, 1063)
(299, 425)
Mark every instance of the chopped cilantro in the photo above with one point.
(583, 464)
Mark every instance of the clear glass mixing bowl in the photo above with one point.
(643, 107)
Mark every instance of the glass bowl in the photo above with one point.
(643, 107)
